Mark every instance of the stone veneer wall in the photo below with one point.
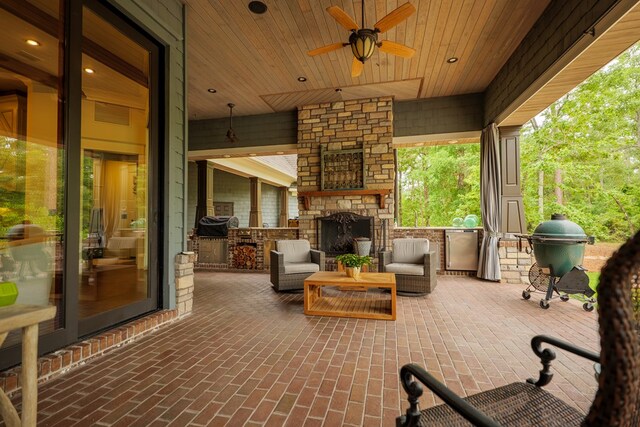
(514, 264)
(366, 123)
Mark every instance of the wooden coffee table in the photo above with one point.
(348, 306)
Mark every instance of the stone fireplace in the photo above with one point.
(364, 124)
(337, 231)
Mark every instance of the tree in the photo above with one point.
(439, 183)
(582, 156)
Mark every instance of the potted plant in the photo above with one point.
(353, 263)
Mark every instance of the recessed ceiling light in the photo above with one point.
(452, 60)
(32, 42)
(89, 70)
(227, 156)
(279, 152)
(338, 90)
(257, 7)
(453, 141)
(252, 154)
(302, 79)
(211, 90)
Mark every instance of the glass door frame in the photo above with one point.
(69, 129)
(107, 319)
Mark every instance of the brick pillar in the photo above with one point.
(184, 282)
(204, 205)
(255, 214)
(283, 220)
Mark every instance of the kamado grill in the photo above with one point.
(558, 246)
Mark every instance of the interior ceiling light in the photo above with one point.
(32, 42)
(89, 70)
(302, 79)
(227, 156)
(257, 7)
(363, 41)
(338, 90)
(452, 60)
(252, 154)
(211, 90)
(231, 135)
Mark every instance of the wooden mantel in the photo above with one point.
(306, 195)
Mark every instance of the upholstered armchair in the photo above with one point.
(292, 262)
(414, 261)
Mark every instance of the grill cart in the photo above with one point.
(558, 247)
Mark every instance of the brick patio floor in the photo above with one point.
(249, 356)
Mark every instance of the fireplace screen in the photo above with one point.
(336, 232)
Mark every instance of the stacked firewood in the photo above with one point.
(244, 256)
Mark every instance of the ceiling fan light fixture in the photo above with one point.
(363, 43)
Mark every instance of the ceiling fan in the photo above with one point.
(363, 41)
(231, 135)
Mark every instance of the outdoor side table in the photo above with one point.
(27, 318)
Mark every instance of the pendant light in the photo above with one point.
(231, 135)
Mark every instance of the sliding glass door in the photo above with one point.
(80, 155)
(119, 68)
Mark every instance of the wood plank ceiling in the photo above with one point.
(254, 60)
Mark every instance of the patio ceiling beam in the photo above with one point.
(551, 52)
(250, 168)
(35, 74)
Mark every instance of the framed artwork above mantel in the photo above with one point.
(342, 169)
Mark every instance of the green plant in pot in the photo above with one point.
(353, 263)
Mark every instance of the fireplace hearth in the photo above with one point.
(336, 232)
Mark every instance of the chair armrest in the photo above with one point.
(430, 261)
(317, 257)
(277, 261)
(384, 258)
(414, 390)
(547, 355)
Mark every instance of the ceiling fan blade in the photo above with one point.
(356, 67)
(395, 17)
(325, 49)
(396, 49)
(343, 19)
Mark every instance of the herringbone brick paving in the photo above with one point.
(249, 356)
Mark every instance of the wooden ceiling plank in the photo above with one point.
(477, 26)
(440, 26)
(449, 72)
(443, 48)
(419, 35)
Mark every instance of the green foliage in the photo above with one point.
(438, 184)
(592, 136)
(353, 260)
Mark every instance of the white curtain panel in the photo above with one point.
(489, 260)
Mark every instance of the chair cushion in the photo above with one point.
(408, 269)
(300, 267)
(294, 250)
(410, 251)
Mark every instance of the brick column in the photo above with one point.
(283, 219)
(255, 214)
(184, 282)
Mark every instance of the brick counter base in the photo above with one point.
(62, 361)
